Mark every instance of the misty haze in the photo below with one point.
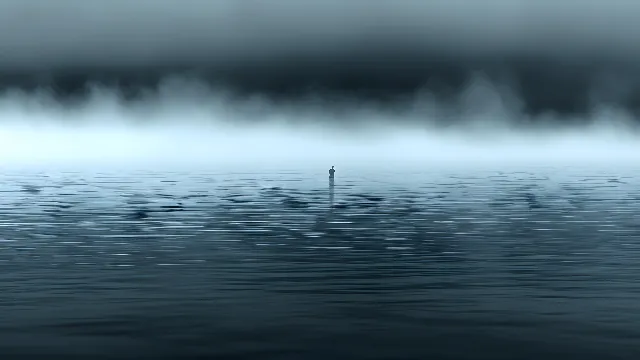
(355, 179)
(344, 78)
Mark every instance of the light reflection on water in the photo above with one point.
(456, 265)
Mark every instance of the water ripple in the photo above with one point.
(527, 264)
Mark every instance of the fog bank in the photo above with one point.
(187, 123)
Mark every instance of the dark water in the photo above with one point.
(543, 263)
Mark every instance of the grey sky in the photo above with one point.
(44, 33)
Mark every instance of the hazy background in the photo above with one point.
(317, 82)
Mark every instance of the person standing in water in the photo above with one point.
(331, 172)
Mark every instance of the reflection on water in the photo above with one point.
(332, 184)
(477, 265)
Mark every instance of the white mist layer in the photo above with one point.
(197, 128)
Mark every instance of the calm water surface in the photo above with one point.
(530, 264)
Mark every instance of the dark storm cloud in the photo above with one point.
(557, 55)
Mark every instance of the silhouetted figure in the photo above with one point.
(331, 173)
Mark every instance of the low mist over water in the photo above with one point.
(186, 122)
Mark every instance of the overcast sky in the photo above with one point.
(557, 55)
(296, 61)
(85, 32)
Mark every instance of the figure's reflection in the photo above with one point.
(331, 193)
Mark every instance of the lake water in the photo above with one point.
(445, 264)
